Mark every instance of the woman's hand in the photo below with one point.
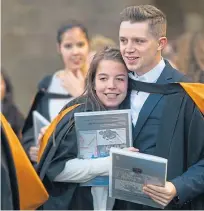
(42, 133)
(33, 153)
(132, 149)
(73, 83)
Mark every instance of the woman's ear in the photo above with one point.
(58, 48)
(162, 43)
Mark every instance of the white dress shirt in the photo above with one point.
(137, 99)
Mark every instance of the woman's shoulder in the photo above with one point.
(78, 102)
(81, 104)
(45, 82)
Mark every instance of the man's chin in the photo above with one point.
(131, 67)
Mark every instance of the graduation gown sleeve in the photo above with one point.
(191, 183)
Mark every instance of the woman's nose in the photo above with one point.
(75, 50)
(111, 84)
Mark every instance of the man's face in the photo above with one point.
(139, 48)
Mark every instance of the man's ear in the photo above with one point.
(162, 43)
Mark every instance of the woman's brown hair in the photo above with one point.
(108, 53)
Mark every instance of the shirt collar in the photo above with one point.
(151, 76)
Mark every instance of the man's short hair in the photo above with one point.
(155, 17)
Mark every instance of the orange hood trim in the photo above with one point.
(51, 129)
(32, 192)
(196, 92)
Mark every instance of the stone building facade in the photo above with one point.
(29, 33)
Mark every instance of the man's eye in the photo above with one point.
(140, 41)
(122, 40)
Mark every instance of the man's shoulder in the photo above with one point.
(173, 75)
(179, 76)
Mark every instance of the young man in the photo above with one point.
(142, 37)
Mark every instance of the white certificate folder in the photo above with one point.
(98, 131)
(39, 122)
(130, 171)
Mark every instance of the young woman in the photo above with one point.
(56, 90)
(8, 106)
(59, 168)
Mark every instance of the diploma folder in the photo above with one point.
(130, 171)
(97, 132)
(39, 122)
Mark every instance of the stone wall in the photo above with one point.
(29, 36)
(29, 33)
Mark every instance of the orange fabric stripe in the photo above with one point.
(51, 129)
(196, 92)
(32, 193)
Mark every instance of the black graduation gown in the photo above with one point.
(9, 184)
(180, 140)
(40, 104)
(57, 152)
(21, 188)
(63, 195)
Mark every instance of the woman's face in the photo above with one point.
(74, 49)
(111, 83)
(3, 87)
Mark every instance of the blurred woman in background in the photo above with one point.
(56, 90)
(8, 107)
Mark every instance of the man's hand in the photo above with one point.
(161, 195)
(73, 83)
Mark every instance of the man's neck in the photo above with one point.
(149, 68)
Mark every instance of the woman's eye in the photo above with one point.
(102, 79)
(81, 44)
(68, 46)
(120, 79)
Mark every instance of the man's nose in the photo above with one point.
(130, 48)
